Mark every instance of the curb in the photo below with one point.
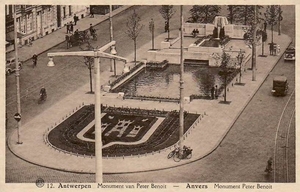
(226, 133)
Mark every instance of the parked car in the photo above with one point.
(11, 65)
(280, 86)
(290, 54)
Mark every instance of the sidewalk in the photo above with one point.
(204, 137)
(57, 37)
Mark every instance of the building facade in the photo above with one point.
(36, 21)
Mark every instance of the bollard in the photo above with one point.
(205, 113)
(123, 156)
(82, 103)
(76, 108)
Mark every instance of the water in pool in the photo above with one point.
(198, 80)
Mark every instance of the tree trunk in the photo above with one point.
(246, 14)
(254, 47)
(168, 22)
(91, 79)
(272, 31)
(225, 86)
(279, 19)
(134, 51)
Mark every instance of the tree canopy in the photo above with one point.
(204, 13)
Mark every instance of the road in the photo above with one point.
(241, 156)
(61, 80)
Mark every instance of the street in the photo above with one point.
(242, 155)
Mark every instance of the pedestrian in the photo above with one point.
(68, 27)
(269, 165)
(271, 48)
(71, 27)
(34, 60)
(92, 12)
(75, 19)
(68, 41)
(216, 92)
(212, 91)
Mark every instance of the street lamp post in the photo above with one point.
(181, 109)
(96, 54)
(17, 76)
(111, 36)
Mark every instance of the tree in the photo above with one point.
(264, 38)
(167, 13)
(231, 15)
(204, 13)
(89, 62)
(134, 28)
(224, 71)
(271, 14)
(280, 18)
(244, 13)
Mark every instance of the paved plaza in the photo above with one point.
(203, 137)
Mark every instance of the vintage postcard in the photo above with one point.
(173, 96)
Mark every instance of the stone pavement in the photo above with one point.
(204, 137)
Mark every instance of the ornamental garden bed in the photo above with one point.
(118, 127)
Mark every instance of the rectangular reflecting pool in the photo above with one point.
(198, 80)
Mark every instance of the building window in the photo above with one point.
(64, 12)
(70, 10)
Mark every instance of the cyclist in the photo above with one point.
(43, 93)
(92, 31)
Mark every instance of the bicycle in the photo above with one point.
(42, 98)
(171, 154)
(186, 154)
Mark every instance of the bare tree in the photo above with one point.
(89, 62)
(244, 13)
(134, 28)
(204, 13)
(167, 13)
(271, 14)
(225, 71)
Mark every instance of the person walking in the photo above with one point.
(75, 19)
(34, 60)
(92, 12)
(212, 91)
(216, 92)
(71, 27)
(68, 27)
(68, 41)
